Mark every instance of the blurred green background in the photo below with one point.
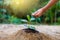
(51, 17)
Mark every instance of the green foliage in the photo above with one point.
(58, 19)
(50, 17)
(1, 2)
(14, 20)
(1, 15)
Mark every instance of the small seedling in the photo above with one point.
(29, 26)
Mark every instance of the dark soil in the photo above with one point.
(28, 30)
(30, 34)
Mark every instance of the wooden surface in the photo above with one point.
(10, 31)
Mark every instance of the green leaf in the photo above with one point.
(23, 20)
(31, 27)
(28, 17)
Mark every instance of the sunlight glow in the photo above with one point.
(22, 5)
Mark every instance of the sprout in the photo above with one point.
(29, 26)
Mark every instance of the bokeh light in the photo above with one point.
(21, 6)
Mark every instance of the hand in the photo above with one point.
(38, 13)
